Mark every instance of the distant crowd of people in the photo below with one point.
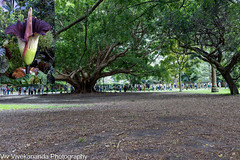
(201, 85)
(35, 89)
(45, 89)
(155, 87)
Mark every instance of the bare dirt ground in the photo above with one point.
(125, 126)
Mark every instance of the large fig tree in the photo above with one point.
(106, 38)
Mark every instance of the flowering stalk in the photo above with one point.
(28, 34)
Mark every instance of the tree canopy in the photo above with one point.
(145, 38)
(102, 38)
(114, 39)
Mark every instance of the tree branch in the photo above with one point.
(109, 51)
(182, 4)
(234, 60)
(80, 19)
(110, 73)
(101, 65)
(152, 1)
(85, 42)
(235, 79)
(155, 1)
(66, 79)
(205, 55)
(70, 75)
(60, 22)
(142, 14)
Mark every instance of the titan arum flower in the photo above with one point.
(28, 34)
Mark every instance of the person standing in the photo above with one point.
(35, 90)
(32, 90)
(55, 89)
(7, 88)
(125, 88)
(66, 88)
(219, 84)
(39, 90)
(29, 90)
(61, 90)
(11, 90)
(47, 89)
(24, 90)
(4, 90)
(175, 85)
(19, 90)
(120, 88)
(42, 89)
(52, 89)
(195, 85)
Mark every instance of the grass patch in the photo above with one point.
(208, 91)
(30, 106)
(200, 91)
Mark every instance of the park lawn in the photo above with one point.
(36, 106)
(208, 91)
(32, 106)
(198, 91)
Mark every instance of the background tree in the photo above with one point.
(210, 30)
(197, 72)
(176, 60)
(160, 73)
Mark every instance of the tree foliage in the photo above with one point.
(209, 29)
(113, 39)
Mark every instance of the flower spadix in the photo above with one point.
(28, 34)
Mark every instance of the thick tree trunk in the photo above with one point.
(80, 86)
(84, 87)
(231, 84)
